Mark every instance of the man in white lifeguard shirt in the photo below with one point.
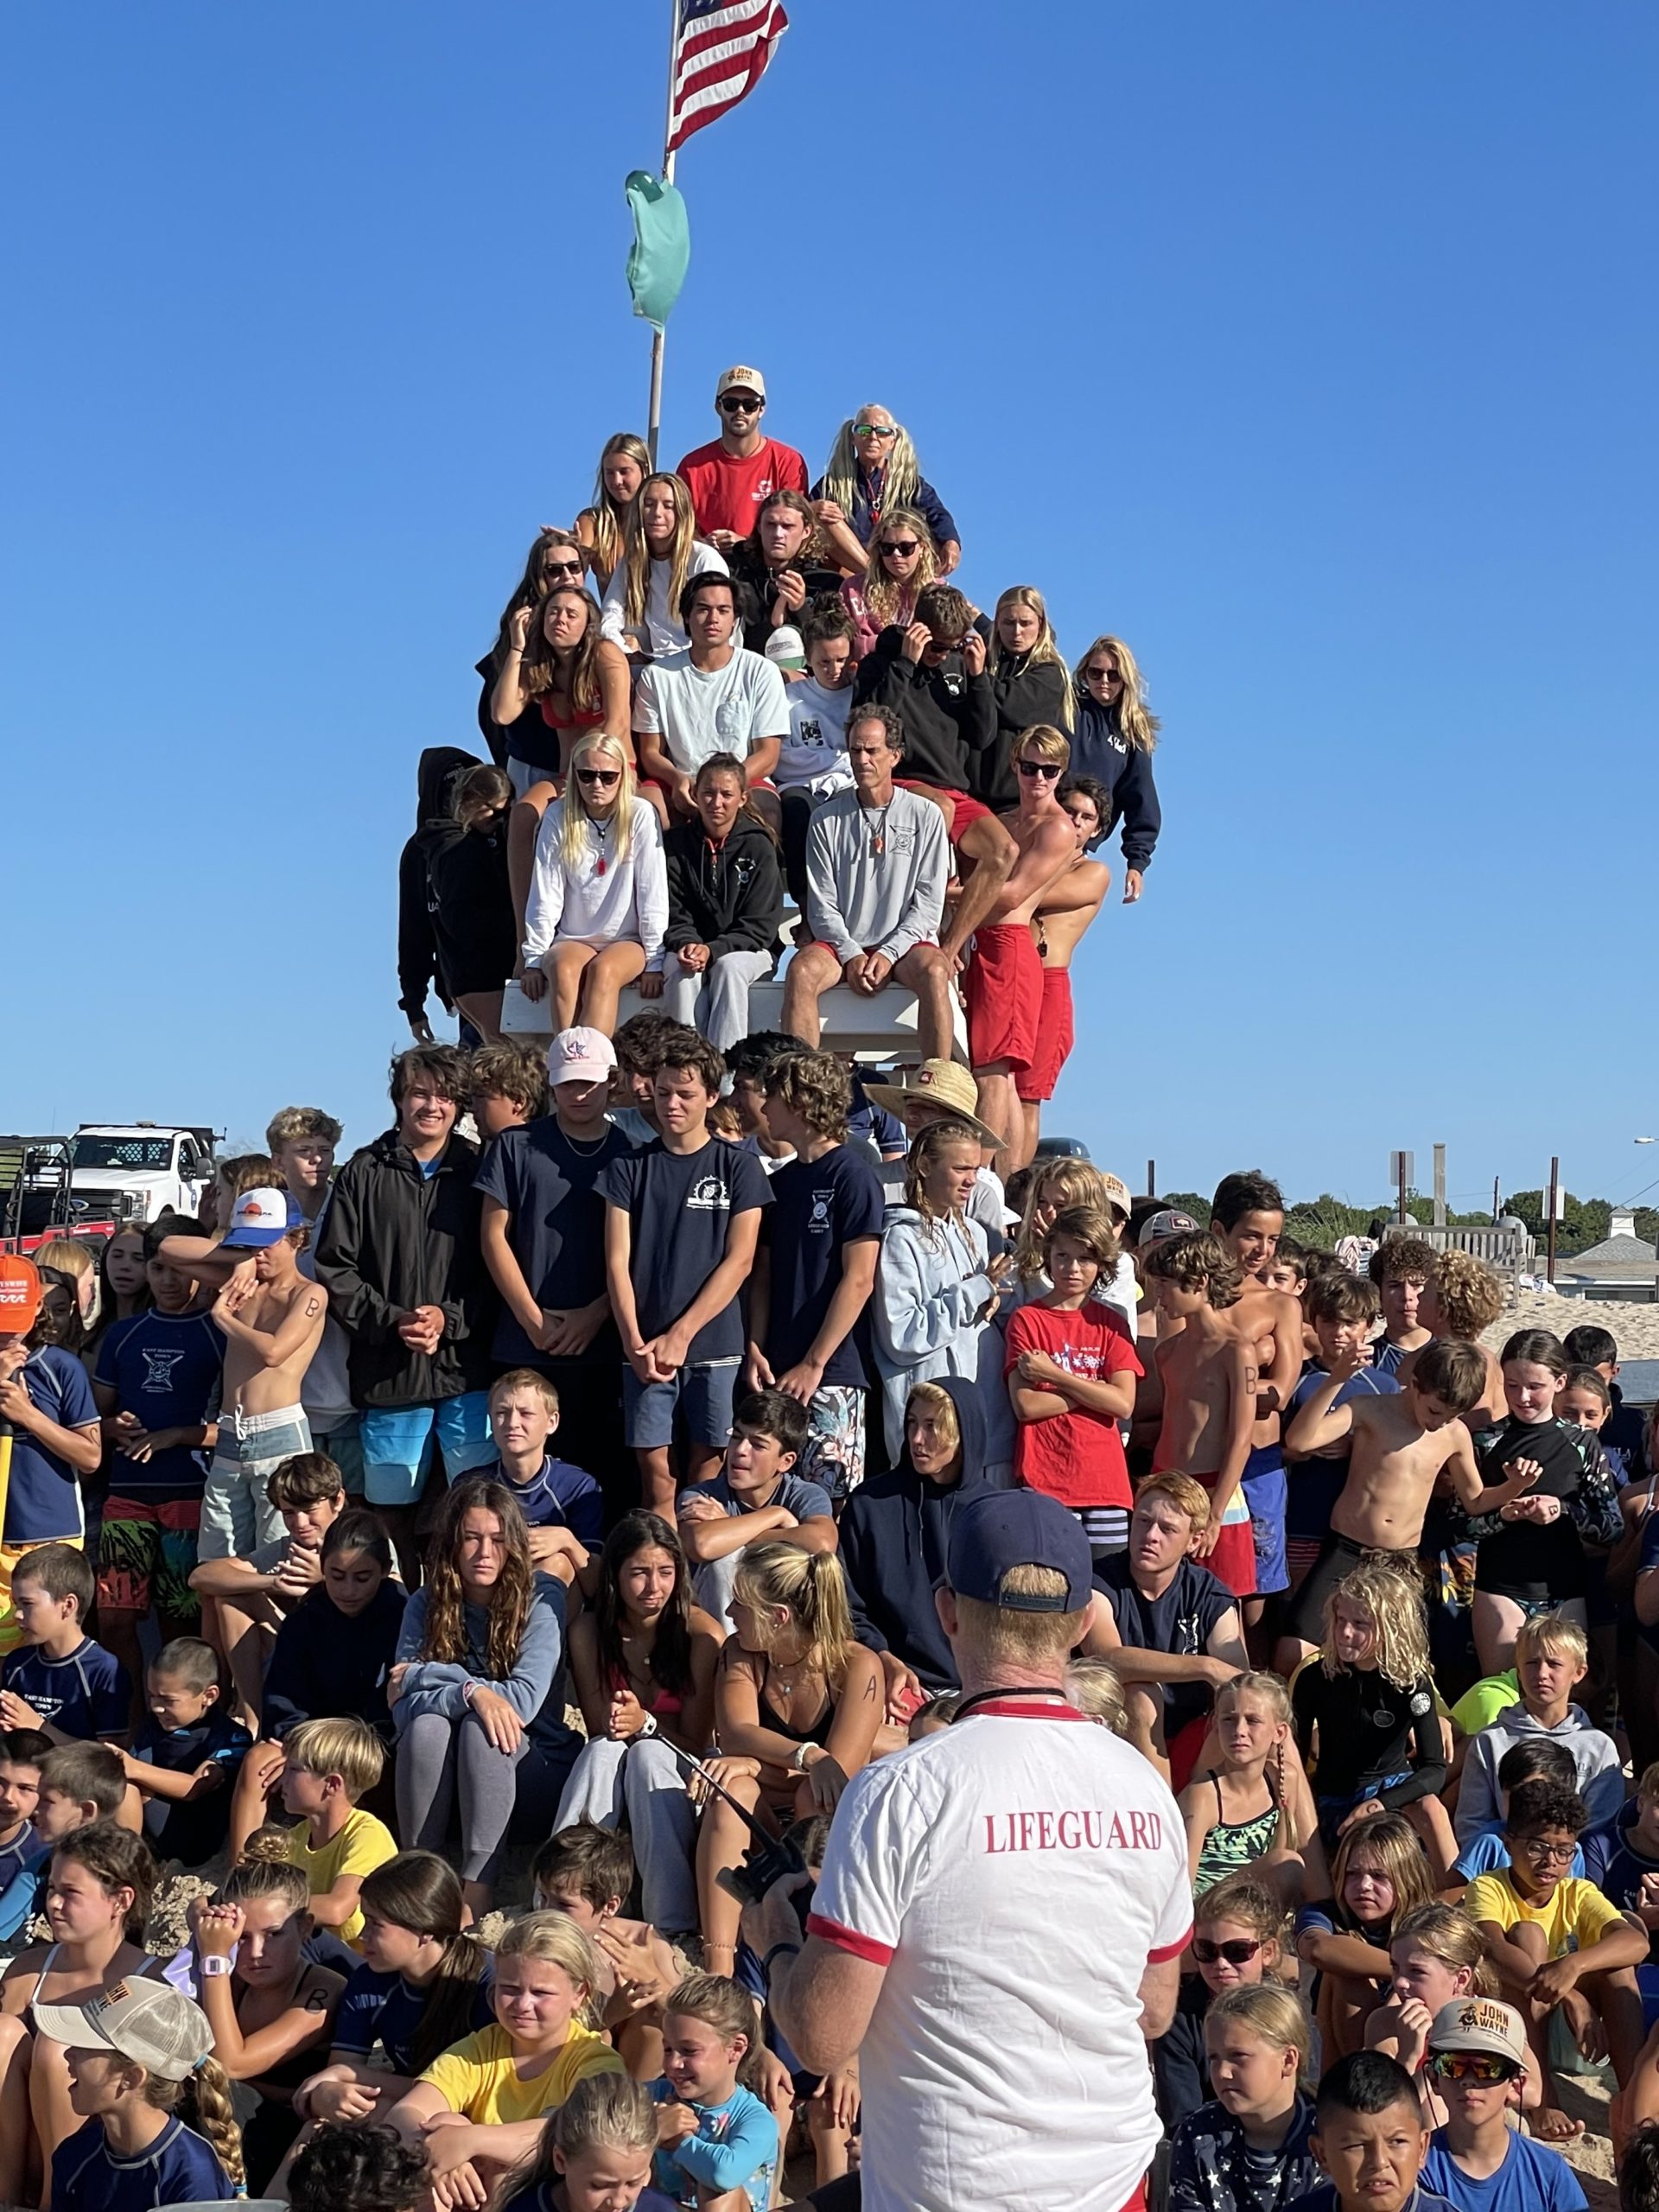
(999, 1923)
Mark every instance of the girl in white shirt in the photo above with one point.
(598, 901)
(661, 552)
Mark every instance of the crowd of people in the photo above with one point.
(703, 1623)
(735, 724)
(514, 1492)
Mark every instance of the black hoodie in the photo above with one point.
(393, 1239)
(1026, 693)
(893, 1535)
(949, 717)
(730, 899)
(418, 968)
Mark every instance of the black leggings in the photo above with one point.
(798, 816)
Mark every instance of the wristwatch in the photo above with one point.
(215, 1963)
(648, 1726)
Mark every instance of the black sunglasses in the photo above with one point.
(561, 567)
(1038, 767)
(598, 775)
(899, 544)
(734, 403)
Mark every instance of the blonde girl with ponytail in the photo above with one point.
(797, 1707)
(136, 2057)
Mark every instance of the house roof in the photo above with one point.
(1615, 1259)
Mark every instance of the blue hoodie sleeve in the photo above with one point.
(934, 512)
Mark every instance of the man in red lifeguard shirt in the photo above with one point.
(729, 478)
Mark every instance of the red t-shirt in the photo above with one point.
(728, 490)
(1077, 1457)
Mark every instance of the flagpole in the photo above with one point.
(654, 412)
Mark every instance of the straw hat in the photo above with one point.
(944, 1087)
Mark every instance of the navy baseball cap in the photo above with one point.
(1018, 1527)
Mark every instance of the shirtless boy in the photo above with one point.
(1247, 1214)
(1064, 912)
(271, 1319)
(1402, 1445)
(1005, 976)
(1207, 1369)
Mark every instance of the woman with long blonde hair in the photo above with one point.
(873, 472)
(796, 1705)
(598, 902)
(1032, 686)
(624, 465)
(1112, 743)
(481, 1646)
(661, 552)
(901, 563)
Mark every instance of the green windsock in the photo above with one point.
(662, 247)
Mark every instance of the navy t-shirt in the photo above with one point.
(1181, 1621)
(680, 1205)
(1620, 1883)
(384, 2009)
(556, 1223)
(43, 1501)
(164, 1368)
(84, 1695)
(818, 1207)
(178, 2168)
(192, 1829)
(561, 1495)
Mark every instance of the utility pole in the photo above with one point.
(1440, 1186)
(1555, 1186)
(1152, 1179)
(1494, 1201)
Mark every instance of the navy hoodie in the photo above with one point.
(419, 969)
(1100, 749)
(893, 1535)
(328, 1662)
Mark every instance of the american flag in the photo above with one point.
(720, 51)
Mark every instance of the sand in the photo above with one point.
(1635, 1328)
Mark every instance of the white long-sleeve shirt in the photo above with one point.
(629, 898)
(664, 631)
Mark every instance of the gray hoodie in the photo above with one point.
(1601, 1784)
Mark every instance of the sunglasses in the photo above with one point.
(602, 776)
(1472, 2066)
(899, 544)
(733, 404)
(1102, 674)
(561, 567)
(1038, 767)
(875, 430)
(1237, 1953)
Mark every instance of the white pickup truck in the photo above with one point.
(135, 1171)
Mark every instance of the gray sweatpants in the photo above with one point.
(645, 1779)
(438, 1759)
(715, 1002)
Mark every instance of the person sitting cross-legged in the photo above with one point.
(877, 858)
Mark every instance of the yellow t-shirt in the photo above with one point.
(1575, 1916)
(476, 2076)
(361, 1845)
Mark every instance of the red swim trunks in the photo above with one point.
(1005, 996)
(1056, 1033)
(965, 811)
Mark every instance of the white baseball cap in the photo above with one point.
(740, 379)
(581, 1056)
(151, 2023)
(260, 1219)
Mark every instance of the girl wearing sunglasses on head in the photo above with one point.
(598, 902)
(873, 472)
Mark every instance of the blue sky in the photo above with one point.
(1309, 348)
